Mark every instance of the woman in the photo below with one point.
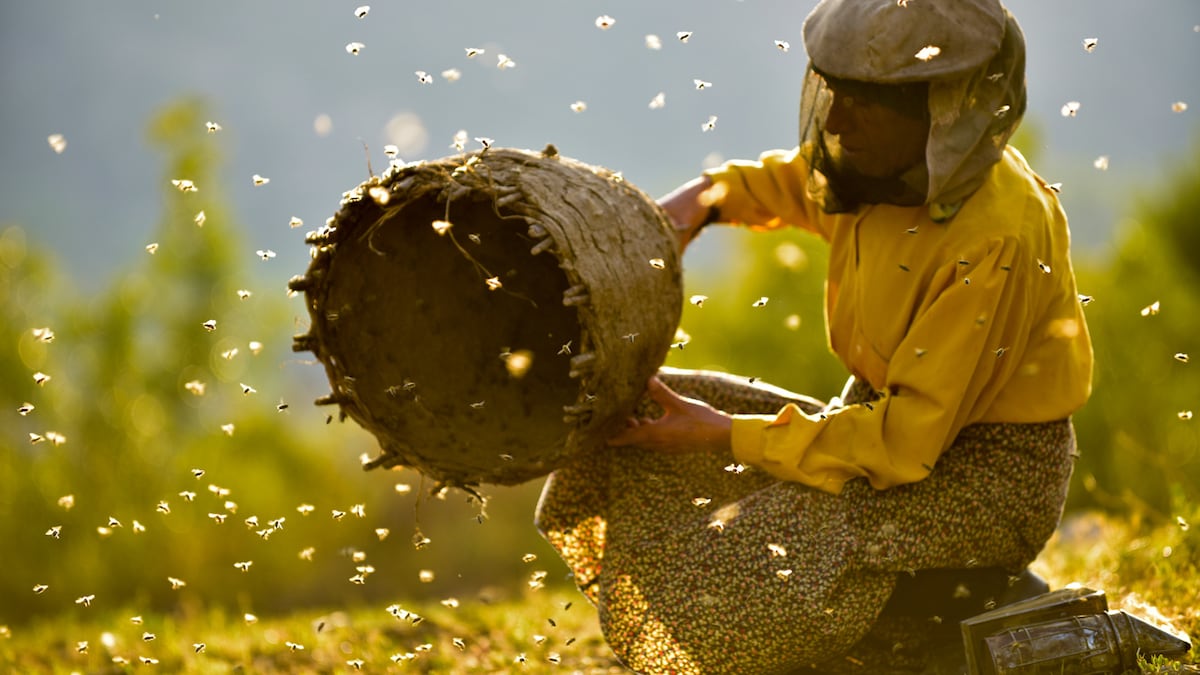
(860, 526)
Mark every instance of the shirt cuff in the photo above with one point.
(748, 439)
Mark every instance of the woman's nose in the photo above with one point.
(839, 118)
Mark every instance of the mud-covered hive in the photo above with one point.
(486, 316)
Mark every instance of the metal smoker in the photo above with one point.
(1066, 632)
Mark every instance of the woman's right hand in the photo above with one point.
(689, 207)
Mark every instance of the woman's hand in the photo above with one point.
(687, 425)
(690, 207)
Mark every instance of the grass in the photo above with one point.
(535, 632)
(1151, 569)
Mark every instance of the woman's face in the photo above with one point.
(877, 139)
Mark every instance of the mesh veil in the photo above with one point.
(974, 108)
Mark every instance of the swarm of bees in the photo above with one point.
(466, 182)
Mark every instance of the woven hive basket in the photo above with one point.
(486, 316)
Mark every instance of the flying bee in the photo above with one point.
(927, 52)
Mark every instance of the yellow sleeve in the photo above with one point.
(766, 194)
(943, 375)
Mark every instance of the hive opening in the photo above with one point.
(483, 368)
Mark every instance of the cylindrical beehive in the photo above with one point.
(488, 315)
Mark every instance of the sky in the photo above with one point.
(297, 107)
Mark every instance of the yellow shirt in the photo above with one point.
(976, 319)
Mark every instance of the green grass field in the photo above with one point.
(1147, 569)
(536, 632)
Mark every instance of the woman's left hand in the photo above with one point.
(687, 425)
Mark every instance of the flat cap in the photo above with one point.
(895, 41)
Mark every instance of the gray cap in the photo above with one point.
(895, 41)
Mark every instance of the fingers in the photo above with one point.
(637, 431)
(630, 435)
(663, 395)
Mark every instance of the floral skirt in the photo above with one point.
(699, 565)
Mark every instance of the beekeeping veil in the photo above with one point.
(971, 54)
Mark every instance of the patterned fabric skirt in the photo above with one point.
(698, 565)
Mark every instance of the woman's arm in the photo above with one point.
(690, 207)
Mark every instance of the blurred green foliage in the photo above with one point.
(110, 452)
(1140, 442)
(759, 312)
